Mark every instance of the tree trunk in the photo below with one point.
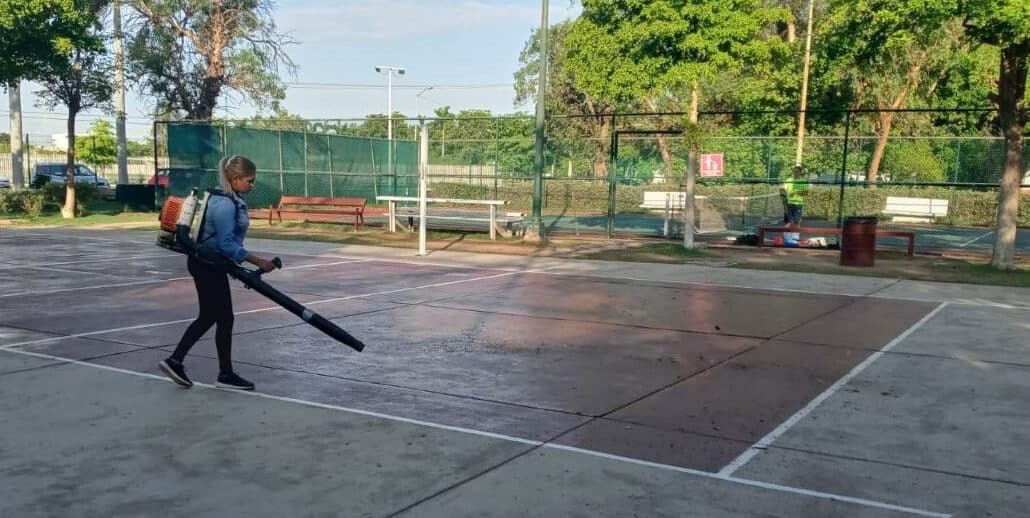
(663, 148)
(17, 166)
(663, 143)
(205, 107)
(883, 130)
(602, 149)
(1013, 118)
(886, 119)
(68, 210)
(688, 205)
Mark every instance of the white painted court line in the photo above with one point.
(94, 287)
(530, 442)
(764, 443)
(756, 483)
(89, 261)
(92, 238)
(72, 272)
(971, 241)
(273, 308)
(156, 281)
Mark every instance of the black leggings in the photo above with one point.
(215, 308)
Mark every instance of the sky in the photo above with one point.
(466, 50)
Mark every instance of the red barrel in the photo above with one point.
(858, 242)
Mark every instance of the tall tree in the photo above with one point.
(591, 118)
(892, 52)
(1006, 23)
(631, 50)
(80, 82)
(36, 37)
(188, 53)
(99, 147)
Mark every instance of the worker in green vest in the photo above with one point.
(794, 189)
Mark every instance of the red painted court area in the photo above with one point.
(678, 374)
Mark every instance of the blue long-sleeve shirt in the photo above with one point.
(225, 226)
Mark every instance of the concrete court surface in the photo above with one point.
(506, 386)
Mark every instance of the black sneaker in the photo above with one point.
(233, 381)
(176, 371)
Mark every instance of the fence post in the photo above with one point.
(305, 161)
(614, 157)
(282, 186)
(28, 160)
(329, 147)
(844, 169)
(423, 172)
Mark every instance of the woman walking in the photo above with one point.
(224, 226)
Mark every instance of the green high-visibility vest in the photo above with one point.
(795, 190)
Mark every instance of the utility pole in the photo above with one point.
(119, 96)
(17, 166)
(804, 84)
(535, 227)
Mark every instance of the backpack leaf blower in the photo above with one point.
(179, 235)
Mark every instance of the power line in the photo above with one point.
(376, 86)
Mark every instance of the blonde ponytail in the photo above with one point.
(233, 167)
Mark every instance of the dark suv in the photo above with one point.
(56, 172)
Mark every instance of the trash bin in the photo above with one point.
(135, 197)
(858, 241)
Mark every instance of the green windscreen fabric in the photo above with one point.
(291, 162)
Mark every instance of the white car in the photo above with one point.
(5, 183)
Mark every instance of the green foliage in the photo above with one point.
(28, 202)
(33, 203)
(586, 138)
(9, 203)
(145, 148)
(912, 161)
(37, 37)
(100, 146)
(998, 22)
(627, 50)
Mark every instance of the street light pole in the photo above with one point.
(389, 118)
(535, 228)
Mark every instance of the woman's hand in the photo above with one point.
(265, 265)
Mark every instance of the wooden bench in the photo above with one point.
(308, 205)
(915, 210)
(911, 236)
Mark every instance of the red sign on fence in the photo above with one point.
(711, 165)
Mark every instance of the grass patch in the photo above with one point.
(124, 219)
(655, 253)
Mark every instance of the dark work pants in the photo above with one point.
(215, 309)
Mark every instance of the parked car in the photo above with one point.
(159, 179)
(56, 172)
(5, 183)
